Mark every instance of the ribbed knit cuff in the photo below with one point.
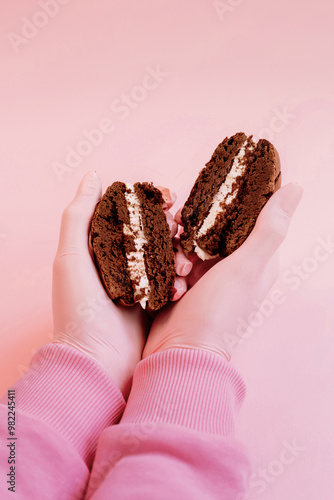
(192, 388)
(72, 393)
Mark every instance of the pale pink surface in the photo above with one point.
(225, 75)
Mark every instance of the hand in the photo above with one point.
(182, 264)
(84, 316)
(223, 291)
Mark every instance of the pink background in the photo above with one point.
(259, 66)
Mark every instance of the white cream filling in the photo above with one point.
(136, 263)
(225, 196)
(201, 253)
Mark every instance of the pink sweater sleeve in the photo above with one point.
(175, 439)
(62, 404)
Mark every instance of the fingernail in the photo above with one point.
(180, 288)
(173, 196)
(92, 179)
(92, 175)
(185, 269)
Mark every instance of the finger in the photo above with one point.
(267, 279)
(180, 288)
(273, 222)
(168, 197)
(77, 216)
(178, 218)
(182, 263)
(172, 224)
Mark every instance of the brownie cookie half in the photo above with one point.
(228, 195)
(132, 246)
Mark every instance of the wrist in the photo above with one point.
(188, 387)
(220, 351)
(109, 361)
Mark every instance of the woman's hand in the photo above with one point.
(224, 292)
(84, 316)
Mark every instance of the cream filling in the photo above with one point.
(136, 263)
(225, 196)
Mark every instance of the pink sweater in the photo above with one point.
(174, 440)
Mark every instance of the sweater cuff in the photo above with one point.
(191, 388)
(72, 393)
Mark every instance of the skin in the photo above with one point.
(218, 292)
(84, 316)
(221, 292)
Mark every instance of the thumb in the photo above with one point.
(273, 222)
(77, 216)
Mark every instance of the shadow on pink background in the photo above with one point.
(164, 83)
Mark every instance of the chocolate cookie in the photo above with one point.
(228, 195)
(132, 245)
